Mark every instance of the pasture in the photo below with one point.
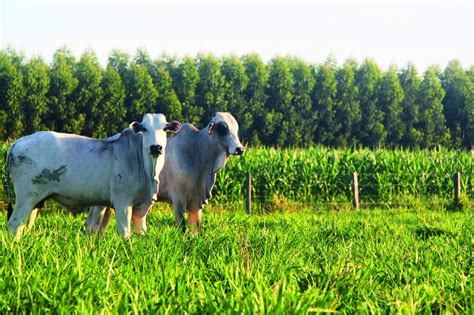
(409, 259)
(301, 251)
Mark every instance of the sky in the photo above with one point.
(418, 31)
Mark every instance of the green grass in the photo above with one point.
(407, 260)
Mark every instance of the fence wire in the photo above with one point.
(389, 197)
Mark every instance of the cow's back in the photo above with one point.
(71, 166)
(47, 147)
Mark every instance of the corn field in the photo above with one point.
(324, 175)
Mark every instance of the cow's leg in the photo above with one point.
(33, 214)
(105, 220)
(195, 221)
(17, 221)
(123, 217)
(178, 208)
(32, 219)
(94, 219)
(139, 224)
(139, 218)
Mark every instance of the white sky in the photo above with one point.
(424, 32)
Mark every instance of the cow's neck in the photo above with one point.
(146, 165)
(212, 156)
(141, 164)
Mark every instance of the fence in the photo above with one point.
(355, 191)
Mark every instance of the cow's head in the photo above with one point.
(154, 128)
(224, 129)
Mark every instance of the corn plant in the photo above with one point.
(324, 175)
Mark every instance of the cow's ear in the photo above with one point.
(137, 127)
(211, 127)
(173, 126)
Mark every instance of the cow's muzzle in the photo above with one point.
(156, 150)
(239, 151)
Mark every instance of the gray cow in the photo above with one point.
(192, 159)
(121, 171)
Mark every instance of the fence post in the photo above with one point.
(457, 187)
(248, 192)
(355, 190)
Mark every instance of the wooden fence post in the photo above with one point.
(355, 191)
(248, 192)
(457, 187)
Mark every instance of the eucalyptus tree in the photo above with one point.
(324, 102)
(61, 112)
(35, 103)
(389, 101)
(254, 96)
(300, 115)
(458, 103)
(347, 107)
(432, 123)
(88, 94)
(185, 78)
(11, 96)
(109, 116)
(236, 81)
(279, 102)
(141, 93)
(410, 82)
(210, 91)
(166, 101)
(372, 132)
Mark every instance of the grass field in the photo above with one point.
(408, 259)
(297, 254)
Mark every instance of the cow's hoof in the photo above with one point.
(18, 233)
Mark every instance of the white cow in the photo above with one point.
(78, 172)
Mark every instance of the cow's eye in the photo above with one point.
(138, 127)
(222, 129)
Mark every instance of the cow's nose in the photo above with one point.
(156, 150)
(239, 150)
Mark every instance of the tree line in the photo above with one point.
(284, 102)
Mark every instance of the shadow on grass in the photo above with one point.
(427, 232)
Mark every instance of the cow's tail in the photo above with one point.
(8, 166)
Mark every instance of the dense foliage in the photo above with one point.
(372, 261)
(284, 102)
